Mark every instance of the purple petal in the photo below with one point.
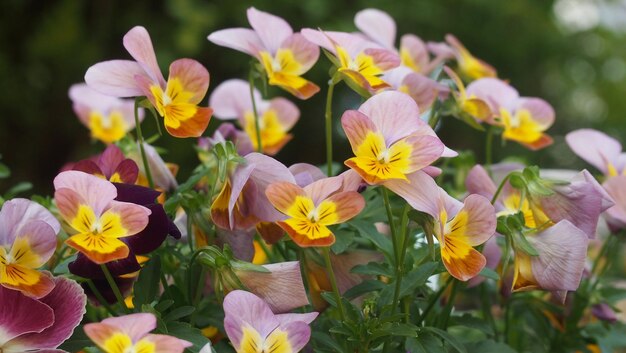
(305, 173)
(239, 240)
(616, 188)
(21, 315)
(267, 171)
(110, 159)
(86, 268)
(240, 308)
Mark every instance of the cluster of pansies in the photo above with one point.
(252, 256)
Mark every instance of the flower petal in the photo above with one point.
(421, 192)
(18, 212)
(267, 170)
(394, 114)
(347, 205)
(134, 217)
(135, 325)
(377, 25)
(462, 268)
(304, 52)
(282, 195)
(272, 30)
(595, 147)
(540, 110)
(319, 190)
(497, 93)
(21, 315)
(167, 344)
(138, 43)
(415, 54)
(476, 222)
(96, 192)
(241, 307)
(241, 39)
(193, 77)
(192, 127)
(305, 173)
(115, 78)
(38, 241)
(229, 100)
(357, 126)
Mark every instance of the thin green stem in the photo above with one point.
(489, 149)
(257, 124)
(433, 300)
(146, 166)
(115, 288)
(190, 235)
(196, 297)
(499, 190)
(400, 260)
(448, 308)
(392, 224)
(329, 127)
(333, 282)
(100, 297)
(486, 307)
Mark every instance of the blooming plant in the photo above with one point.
(406, 245)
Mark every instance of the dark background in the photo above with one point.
(570, 52)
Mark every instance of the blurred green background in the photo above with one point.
(570, 52)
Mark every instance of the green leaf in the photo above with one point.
(5, 172)
(18, 189)
(179, 313)
(451, 340)
(373, 269)
(369, 232)
(147, 285)
(366, 286)
(77, 341)
(417, 277)
(489, 273)
(489, 346)
(343, 239)
(185, 332)
(424, 343)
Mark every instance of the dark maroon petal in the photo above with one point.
(153, 235)
(128, 171)
(136, 194)
(87, 166)
(85, 268)
(110, 159)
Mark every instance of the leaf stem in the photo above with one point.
(333, 281)
(146, 165)
(115, 288)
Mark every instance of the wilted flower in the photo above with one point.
(30, 325)
(176, 99)
(285, 55)
(310, 210)
(131, 333)
(252, 326)
(276, 117)
(360, 61)
(27, 241)
(87, 203)
(108, 118)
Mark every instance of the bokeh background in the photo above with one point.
(570, 52)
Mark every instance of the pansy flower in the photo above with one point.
(30, 325)
(310, 210)
(87, 203)
(468, 102)
(108, 118)
(131, 333)
(389, 140)
(276, 117)
(524, 119)
(176, 99)
(469, 66)
(110, 165)
(459, 227)
(360, 61)
(253, 327)
(285, 55)
(27, 241)
(598, 149)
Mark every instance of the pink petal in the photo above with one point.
(21, 315)
(421, 192)
(595, 147)
(319, 38)
(298, 334)
(305, 173)
(138, 43)
(357, 126)
(17, 213)
(168, 344)
(67, 300)
(394, 114)
(231, 99)
(425, 150)
(440, 49)
(135, 325)
(352, 181)
(115, 78)
(239, 180)
(422, 89)
(239, 240)
(272, 30)
(267, 170)
(110, 159)
(304, 52)
(481, 219)
(417, 51)
(352, 43)
(161, 174)
(495, 92)
(616, 188)
(479, 182)
(85, 100)
(282, 288)
(241, 39)
(240, 308)
(96, 192)
(383, 59)
(562, 252)
(42, 239)
(323, 188)
(287, 112)
(377, 25)
(134, 217)
(540, 110)
(193, 76)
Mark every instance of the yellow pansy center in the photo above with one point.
(107, 129)
(283, 69)
(122, 343)
(173, 104)
(252, 342)
(363, 65)
(453, 240)
(17, 264)
(520, 127)
(310, 220)
(272, 131)
(380, 162)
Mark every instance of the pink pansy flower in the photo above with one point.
(108, 118)
(176, 99)
(285, 55)
(524, 119)
(389, 140)
(360, 61)
(27, 241)
(87, 204)
(29, 325)
(131, 333)
(458, 226)
(253, 327)
(599, 150)
(616, 215)
(276, 117)
(110, 165)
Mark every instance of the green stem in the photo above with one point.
(448, 308)
(333, 281)
(400, 260)
(392, 224)
(190, 235)
(100, 297)
(329, 127)
(196, 297)
(115, 288)
(433, 300)
(489, 149)
(146, 166)
(499, 190)
(486, 307)
(257, 126)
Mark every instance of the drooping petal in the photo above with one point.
(115, 78)
(282, 288)
(67, 301)
(271, 29)
(421, 192)
(96, 192)
(138, 43)
(240, 308)
(18, 212)
(21, 315)
(595, 147)
(193, 77)
(377, 25)
(394, 114)
(241, 39)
